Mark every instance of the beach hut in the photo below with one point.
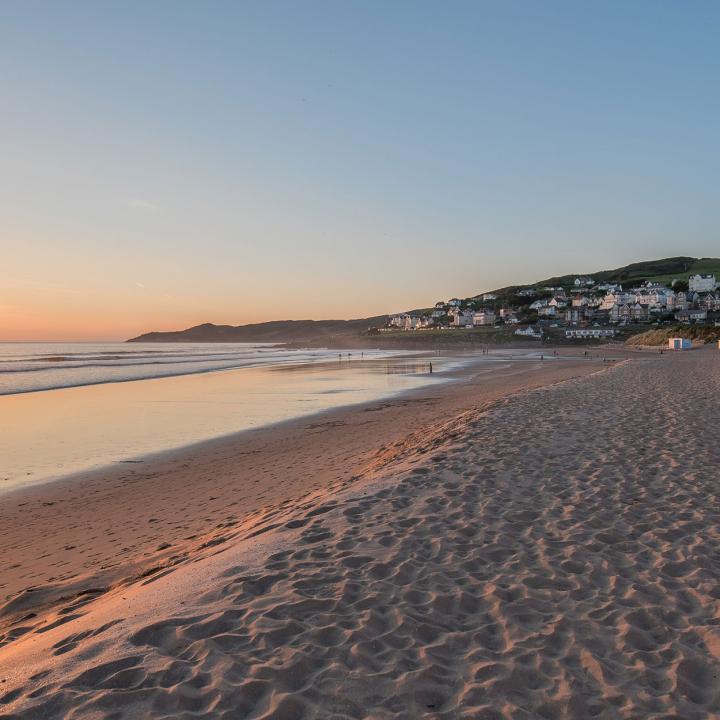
(679, 344)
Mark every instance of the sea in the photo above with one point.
(31, 367)
(72, 407)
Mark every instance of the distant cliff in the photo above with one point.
(284, 331)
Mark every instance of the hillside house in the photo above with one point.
(655, 296)
(681, 301)
(398, 320)
(617, 298)
(484, 317)
(610, 287)
(702, 283)
(530, 331)
(575, 315)
(627, 312)
(691, 316)
(462, 319)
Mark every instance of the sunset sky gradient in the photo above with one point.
(170, 163)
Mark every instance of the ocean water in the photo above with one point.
(30, 367)
(76, 407)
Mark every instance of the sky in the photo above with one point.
(165, 164)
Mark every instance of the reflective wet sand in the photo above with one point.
(58, 432)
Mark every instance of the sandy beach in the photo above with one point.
(541, 542)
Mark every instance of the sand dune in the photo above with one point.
(554, 555)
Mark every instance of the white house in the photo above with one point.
(484, 317)
(398, 320)
(702, 283)
(462, 319)
(530, 332)
(584, 281)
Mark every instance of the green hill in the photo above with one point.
(664, 271)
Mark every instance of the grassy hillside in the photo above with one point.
(663, 271)
(659, 337)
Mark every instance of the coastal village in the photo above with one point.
(582, 308)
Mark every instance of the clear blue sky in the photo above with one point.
(168, 163)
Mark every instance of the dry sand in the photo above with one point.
(552, 555)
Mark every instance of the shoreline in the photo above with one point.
(391, 354)
(212, 404)
(458, 365)
(103, 527)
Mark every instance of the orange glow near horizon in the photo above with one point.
(55, 315)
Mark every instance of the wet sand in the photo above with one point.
(552, 553)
